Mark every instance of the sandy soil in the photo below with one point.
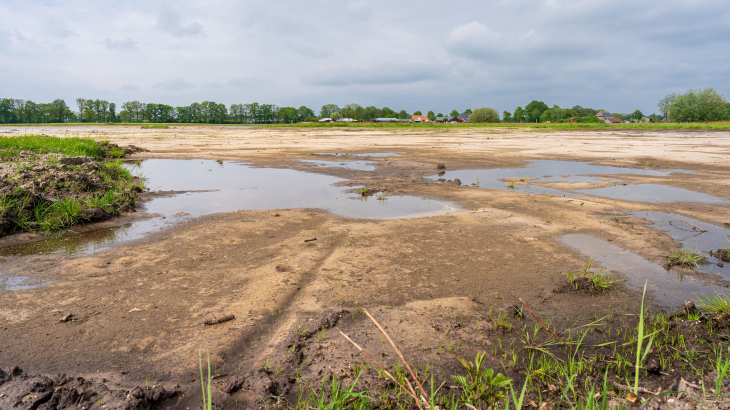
(437, 283)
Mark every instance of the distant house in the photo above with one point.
(346, 120)
(457, 119)
(385, 119)
(464, 116)
(612, 120)
(441, 119)
(325, 120)
(608, 118)
(419, 118)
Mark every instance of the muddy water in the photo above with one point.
(230, 187)
(578, 172)
(691, 233)
(368, 154)
(669, 288)
(18, 283)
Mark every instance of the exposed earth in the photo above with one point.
(444, 286)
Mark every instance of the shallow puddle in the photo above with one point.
(653, 193)
(18, 283)
(576, 172)
(356, 165)
(691, 233)
(670, 288)
(231, 187)
(369, 154)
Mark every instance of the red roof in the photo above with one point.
(419, 117)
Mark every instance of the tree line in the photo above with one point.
(694, 105)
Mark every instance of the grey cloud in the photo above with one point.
(121, 45)
(170, 21)
(378, 74)
(129, 87)
(59, 29)
(175, 84)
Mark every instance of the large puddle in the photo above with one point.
(691, 233)
(670, 288)
(230, 187)
(577, 172)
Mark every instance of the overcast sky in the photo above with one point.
(423, 55)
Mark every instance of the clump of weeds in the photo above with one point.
(686, 258)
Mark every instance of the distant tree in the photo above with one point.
(353, 111)
(370, 113)
(454, 113)
(386, 112)
(484, 115)
(81, 103)
(534, 110)
(567, 114)
(336, 116)
(519, 115)
(327, 110)
(637, 115)
(287, 115)
(699, 106)
(467, 111)
(727, 109)
(417, 113)
(112, 112)
(545, 117)
(431, 116)
(506, 116)
(403, 115)
(665, 103)
(439, 115)
(617, 115)
(304, 113)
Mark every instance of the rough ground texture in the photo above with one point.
(443, 286)
(31, 183)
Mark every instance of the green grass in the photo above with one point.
(11, 146)
(160, 127)
(717, 304)
(686, 258)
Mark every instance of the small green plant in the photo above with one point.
(219, 160)
(207, 397)
(686, 258)
(716, 304)
(511, 185)
(481, 384)
(365, 192)
(339, 397)
(503, 322)
(602, 279)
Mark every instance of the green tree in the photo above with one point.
(370, 113)
(112, 112)
(506, 116)
(727, 109)
(698, 106)
(327, 110)
(484, 115)
(637, 115)
(534, 110)
(431, 116)
(519, 115)
(665, 103)
(403, 115)
(468, 111)
(417, 113)
(454, 113)
(305, 113)
(439, 115)
(386, 112)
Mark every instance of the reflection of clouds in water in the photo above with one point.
(230, 187)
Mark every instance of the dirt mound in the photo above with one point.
(52, 191)
(23, 391)
(722, 254)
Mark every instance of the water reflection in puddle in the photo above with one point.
(18, 283)
(690, 233)
(654, 193)
(356, 165)
(577, 172)
(230, 187)
(369, 154)
(671, 288)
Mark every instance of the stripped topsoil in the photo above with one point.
(443, 287)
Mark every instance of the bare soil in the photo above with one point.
(438, 284)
